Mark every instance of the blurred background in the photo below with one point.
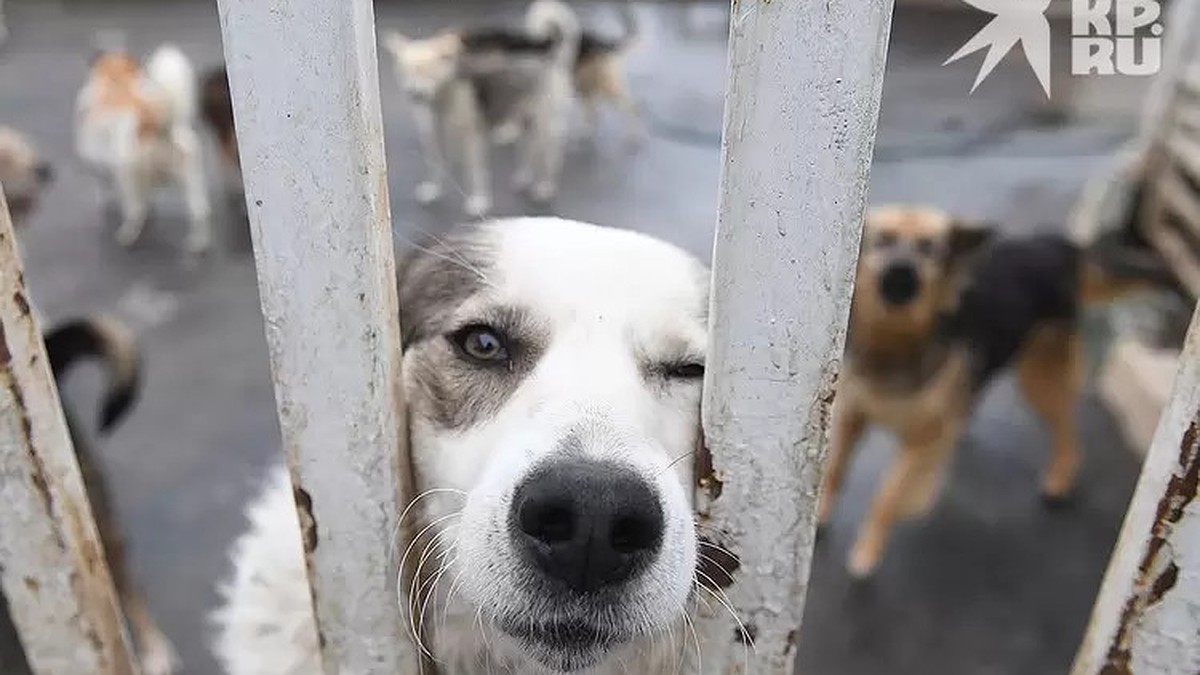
(992, 582)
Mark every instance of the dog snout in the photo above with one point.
(587, 524)
(44, 172)
(899, 283)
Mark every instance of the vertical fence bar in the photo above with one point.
(800, 117)
(56, 581)
(305, 87)
(1146, 620)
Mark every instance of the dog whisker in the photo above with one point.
(414, 593)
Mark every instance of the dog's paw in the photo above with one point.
(128, 233)
(543, 191)
(428, 192)
(507, 133)
(863, 561)
(478, 206)
(1057, 501)
(160, 658)
(197, 242)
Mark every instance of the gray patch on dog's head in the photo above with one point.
(437, 280)
(447, 388)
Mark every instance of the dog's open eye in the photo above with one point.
(885, 240)
(687, 370)
(481, 343)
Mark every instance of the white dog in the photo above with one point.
(135, 127)
(553, 372)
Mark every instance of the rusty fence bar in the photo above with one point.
(1146, 620)
(305, 88)
(800, 120)
(59, 592)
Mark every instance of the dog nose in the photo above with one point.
(44, 172)
(587, 524)
(898, 284)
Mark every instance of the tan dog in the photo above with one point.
(134, 127)
(23, 173)
(938, 310)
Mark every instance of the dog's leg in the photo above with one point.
(911, 483)
(132, 192)
(430, 189)
(473, 136)
(549, 135)
(155, 652)
(848, 425)
(1050, 373)
(195, 190)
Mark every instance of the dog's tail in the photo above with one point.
(172, 73)
(106, 339)
(555, 20)
(1113, 269)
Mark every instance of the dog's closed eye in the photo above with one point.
(481, 344)
(683, 370)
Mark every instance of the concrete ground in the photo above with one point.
(991, 583)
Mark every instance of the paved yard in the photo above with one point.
(992, 583)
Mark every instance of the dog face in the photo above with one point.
(23, 173)
(424, 65)
(909, 266)
(553, 371)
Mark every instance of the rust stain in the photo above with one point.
(308, 523)
(747, 635)
(1148, 590)
(22, 304)
(793, 641)
(708, 478)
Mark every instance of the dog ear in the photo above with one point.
(966, 236)
(394, 42)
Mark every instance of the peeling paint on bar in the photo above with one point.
(305, 92)
(799, 131)
(1147, 617)
(59, 592)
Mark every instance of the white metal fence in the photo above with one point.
(798, 137)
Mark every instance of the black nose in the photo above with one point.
(587, 524)
(44, 173)
(898, 284)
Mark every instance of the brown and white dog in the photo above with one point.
(552, 370)
(134, 128)
(23, 174)
(940, 306)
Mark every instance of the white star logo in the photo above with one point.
(1022, 21)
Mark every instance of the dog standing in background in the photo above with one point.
(23, 174)
(466, 86)
(940, 307)
(599, 71)
(134, 127)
